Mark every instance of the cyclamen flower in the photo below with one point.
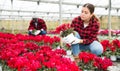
(63, 27)
(56, 39)
(31, 46)
(12, 50)
(116, 43)
(102, 64)
(33, 65)
(48, 40)
(18, 62)
(86, 60)
(86, 57)
(105, 44)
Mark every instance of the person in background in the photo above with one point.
(86, 26)
(37, 27)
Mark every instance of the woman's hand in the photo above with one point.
(71, 39)
(77, 41)
(37, 32)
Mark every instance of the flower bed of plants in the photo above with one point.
(33, 53)
(39, 53)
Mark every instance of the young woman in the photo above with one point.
(86, 26)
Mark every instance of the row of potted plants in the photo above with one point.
(106, 32)
(38, 53)
(101, 32)
(111, 48)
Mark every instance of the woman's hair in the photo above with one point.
(35, 19)
(91, 8)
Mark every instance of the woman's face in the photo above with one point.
(85, 14)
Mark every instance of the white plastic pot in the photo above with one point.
(113, 57)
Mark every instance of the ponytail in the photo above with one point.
(95, 18)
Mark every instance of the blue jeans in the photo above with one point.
(41, 33)
(95, 47)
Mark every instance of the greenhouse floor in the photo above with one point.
(115, 67)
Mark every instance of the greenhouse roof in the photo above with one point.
(50, 9)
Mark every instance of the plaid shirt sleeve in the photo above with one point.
(88, 34)
(31, 26)
(42, 24)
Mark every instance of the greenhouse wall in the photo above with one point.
(22, 25)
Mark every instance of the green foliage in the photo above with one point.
(66, 32)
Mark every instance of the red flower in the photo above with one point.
(12, 50)
(86, 57)
(102, 64)
(113, 48)
(18, 62)
(48, 40)
(29, 55)
(56, 39)
(31, 46)
(116, 43)
(33, 65)
(63, 27)
(105, 44)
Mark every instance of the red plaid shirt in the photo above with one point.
(89, 33)
(41, 25)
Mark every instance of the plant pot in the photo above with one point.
(118, 58)
(103, 57)
(71, 38)
(69, 52)
(99, 70)
(113, 57)
(88, 70)
(0, 68)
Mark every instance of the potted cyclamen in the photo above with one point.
(109, 50)
(86, 62)
(116, 44)
(113, 51)
(68, 33)
(102, 64)
(65, 31)
(91, 62)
